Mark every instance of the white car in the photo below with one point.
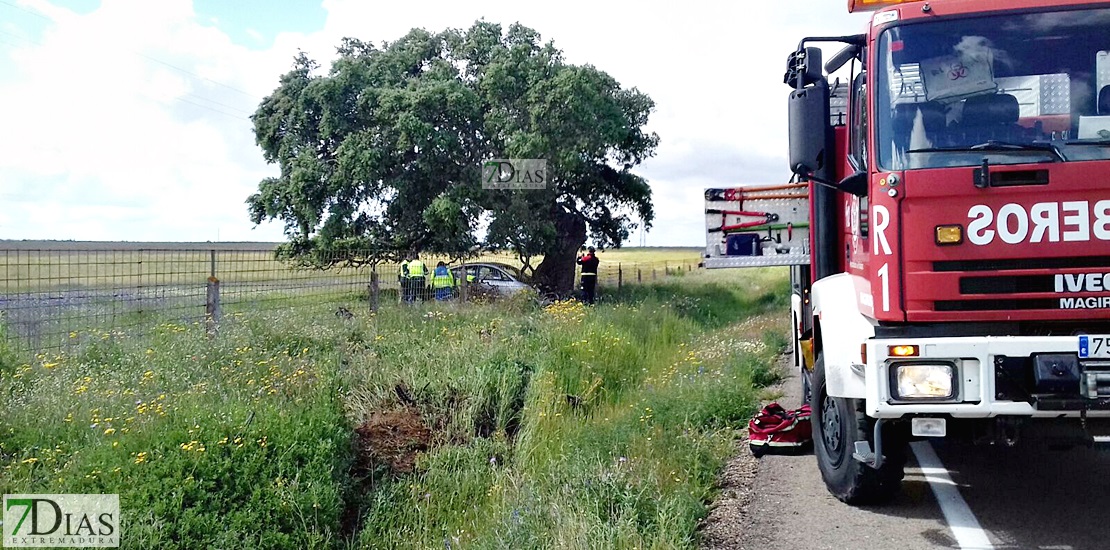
(493, 278)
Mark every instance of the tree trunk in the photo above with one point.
(556, 272)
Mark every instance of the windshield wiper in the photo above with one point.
(1095, 142)
(1001, 146)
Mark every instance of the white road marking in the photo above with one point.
(965, 528)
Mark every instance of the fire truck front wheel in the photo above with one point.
(838, 423)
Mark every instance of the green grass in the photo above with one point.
(202, 440)
(503, 425)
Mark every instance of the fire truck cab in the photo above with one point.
(956, 278)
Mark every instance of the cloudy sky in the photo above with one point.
(128, 119)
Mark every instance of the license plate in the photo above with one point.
(1094, 346)
(928, 427)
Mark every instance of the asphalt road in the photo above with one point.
(1031, 498)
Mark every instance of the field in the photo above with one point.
(652, 255)
(49, 289)
(503, 425)
(27, 266)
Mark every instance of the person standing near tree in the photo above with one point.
(404, 279)
(417, 272)
(589, 263)
(443, 282)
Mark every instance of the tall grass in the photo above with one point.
(228, 442)
(629, 410)
(506, 425)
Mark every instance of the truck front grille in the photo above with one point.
(993, 305)
(1022, 263)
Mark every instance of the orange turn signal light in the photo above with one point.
(903, 351)
(949, 234)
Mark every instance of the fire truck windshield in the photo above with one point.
(1011, 88)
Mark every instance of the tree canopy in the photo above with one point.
(383, 154)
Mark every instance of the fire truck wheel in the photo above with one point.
(838, 423)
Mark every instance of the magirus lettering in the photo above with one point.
(1093, 302)
(1068, 221)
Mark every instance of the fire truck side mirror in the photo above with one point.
(850, 52)
(855, 184)
(808, 110)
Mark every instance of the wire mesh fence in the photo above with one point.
(48, 296)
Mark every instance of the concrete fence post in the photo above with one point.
(212, 298)
(639, 276)
(212, 307)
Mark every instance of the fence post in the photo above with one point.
(639, 276)
(212, 298)
(212, 307)
(653, 273)
(620, 276)
(462, 284)
(374, 287)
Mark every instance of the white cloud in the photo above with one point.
(130, 122)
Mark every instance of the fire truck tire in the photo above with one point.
(838, 423)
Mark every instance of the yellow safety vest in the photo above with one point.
(416, 268)
(443, 281)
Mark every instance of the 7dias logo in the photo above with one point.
(36, 521)
(514, 174)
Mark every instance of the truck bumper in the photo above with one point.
(992, 376)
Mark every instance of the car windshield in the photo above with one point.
(1012, 88)
(512, 271)
(489, 273)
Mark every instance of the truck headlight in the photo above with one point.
(923, 381)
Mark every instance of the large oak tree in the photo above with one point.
(383, 154)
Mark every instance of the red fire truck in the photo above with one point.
(950, 238)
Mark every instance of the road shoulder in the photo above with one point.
(781, 502)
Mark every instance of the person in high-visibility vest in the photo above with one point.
(403, 279)
(417, 273)
(443, 282)
(589, 275)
